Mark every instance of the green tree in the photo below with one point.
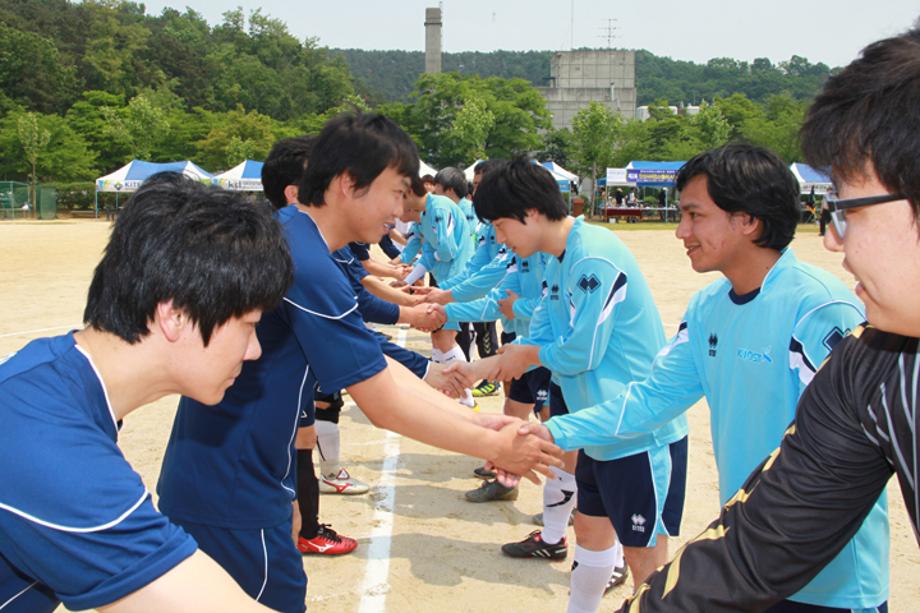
(138, 126)
(236, 135)
(594, 131)
(34, 141)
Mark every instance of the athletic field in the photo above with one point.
(422, 547)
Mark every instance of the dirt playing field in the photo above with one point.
(422, 547)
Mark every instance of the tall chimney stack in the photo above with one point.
(432, 40)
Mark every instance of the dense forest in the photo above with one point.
(87, 86)
(390, 75)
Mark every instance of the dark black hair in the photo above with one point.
(512, 188)
(743, 178)
(361, 145)
(870, 112)
(485, 166)
(285, 166)
(210, 251)
(452, 178)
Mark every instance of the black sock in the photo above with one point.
(307, 494)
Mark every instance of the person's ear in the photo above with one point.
(291, 194)
(170, 320)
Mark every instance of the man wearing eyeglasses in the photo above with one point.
(857, 421)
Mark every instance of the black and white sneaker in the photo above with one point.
(617, 578)
(534, 547)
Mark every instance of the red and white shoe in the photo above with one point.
(342, 483)
(327, 542)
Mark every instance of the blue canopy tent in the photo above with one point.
(244, 177)
(809, 177)
(130, 176)
(653, 174)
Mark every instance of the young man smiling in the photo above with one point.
(749, 343)
(857, 422)
(596, 329)
(228, 472)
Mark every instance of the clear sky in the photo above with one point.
(829, 31)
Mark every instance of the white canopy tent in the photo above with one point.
(130, 176)
(425, 169)
(244, 177)
(556, 169)
(809, 177)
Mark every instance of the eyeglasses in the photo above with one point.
(839, 207)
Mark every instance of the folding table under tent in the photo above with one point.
(809, 177)
(244, 177)
(130, 176)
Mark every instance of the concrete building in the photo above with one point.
(579, 77)
(433, 40)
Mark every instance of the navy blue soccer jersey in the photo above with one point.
(76, 522)
(232, 465)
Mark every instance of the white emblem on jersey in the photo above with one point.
(638, 523)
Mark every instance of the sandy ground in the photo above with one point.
(423, 547)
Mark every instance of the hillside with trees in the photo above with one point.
(87, 86)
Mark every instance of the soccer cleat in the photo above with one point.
(342, 483)
(617, 578)
(485, 388)
(491, 490)
(534, 547)
(538, 519)
(326, 542)
(484, 473)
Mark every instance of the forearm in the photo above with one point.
(396, 400)
(385, 291)
(195, 585)
(380, 269)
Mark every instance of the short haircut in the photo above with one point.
(362, 145)
(484, 166)
(870, 112)
(210, 251)
(452, 178)
(512, 188)
(285, 166)
(743, 178)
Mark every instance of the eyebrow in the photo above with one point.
(688, 206)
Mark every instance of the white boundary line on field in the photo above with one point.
(376, 582)
(29, 332)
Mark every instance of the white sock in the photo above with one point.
(456, 354)
(559, 496)
(590, 574)
(328, 443)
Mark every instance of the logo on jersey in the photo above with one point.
(833, 337)
(554, 292)
(588, 284)
(713, 344)
(525, 266)
(638, 523)
(756, 357)
(545, 290)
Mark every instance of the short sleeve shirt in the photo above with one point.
(231, 465)
(76, 522)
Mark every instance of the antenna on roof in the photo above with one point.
(609, 30)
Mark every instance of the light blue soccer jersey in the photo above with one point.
(413, 244)
(446, 244)
(751, 356)
(484, 270)
(524, 277)
(598, 329)
(77, 523)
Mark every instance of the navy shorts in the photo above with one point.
(531, 388)
(557, 404)
(264, 562)
(642, 494)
